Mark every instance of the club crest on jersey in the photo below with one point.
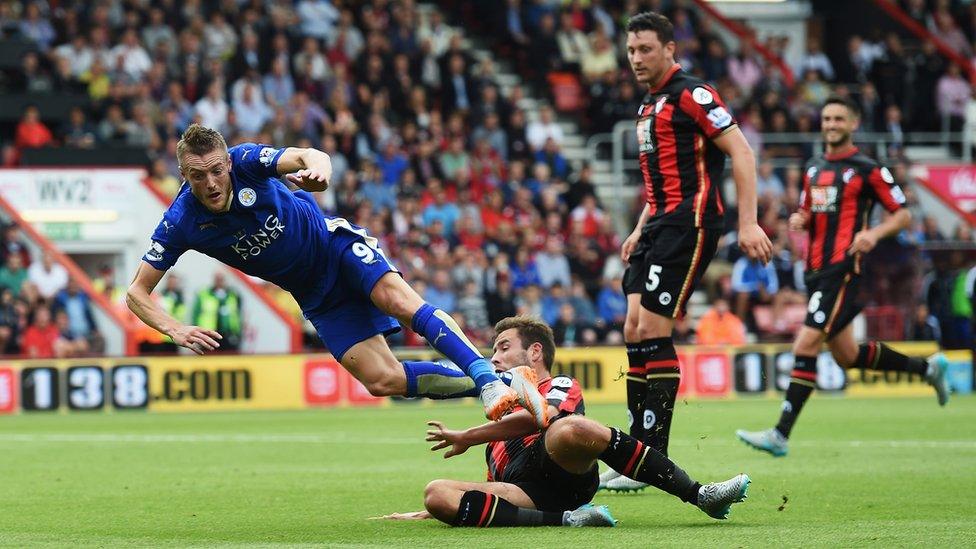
(251, 245)
(702, 96)
(247, 197)
(659, 106)
(848, 174)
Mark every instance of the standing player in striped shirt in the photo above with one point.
(839, 190)
(684, 132)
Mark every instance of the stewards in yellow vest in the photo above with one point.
(219, 308)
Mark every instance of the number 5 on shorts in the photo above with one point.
(652, 278)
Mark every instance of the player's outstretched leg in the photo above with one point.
(394, 297)
(875, 355)
(645, 464)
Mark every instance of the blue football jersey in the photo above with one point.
(269, 232)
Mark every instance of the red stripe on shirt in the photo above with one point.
(667, 157)
(848, 205)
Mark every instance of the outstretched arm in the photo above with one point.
(514, 425)
(138, 298)
(309, 169)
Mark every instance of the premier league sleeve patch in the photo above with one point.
(267, 156)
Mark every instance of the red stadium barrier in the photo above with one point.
(746, 35)
(76, 273)
(294, 329)
(896, 13)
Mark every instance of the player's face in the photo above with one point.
(837, 125)
(508, 352)
(209, 178)
(648, 57)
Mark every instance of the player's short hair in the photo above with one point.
(199, 140)
(652, 21)
(845, 101)
(531, 330)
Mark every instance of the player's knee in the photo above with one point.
(384, 386)
(436, 501)
(572, 432)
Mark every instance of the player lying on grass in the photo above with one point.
(547, 478)
(233, 207)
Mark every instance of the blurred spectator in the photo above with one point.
(218, 308)
(583, 304)
(924, 327)
(440, 293)
(69, 343)
(31, 133)
(567, 330)
(131, 57)
(952, 95)
(41, 336)
(442, 210)
(612, 303)
(552, 301)
(500, 301)
(49, 277)
(752, 283)
(552, 264)
(14, 244)
(573, 44)
(76, 305)
(815, 59)
(212, 109)
(472, 306)
(523, 270)
(37, 28)
(718, 326)
(162, 180)
(13, 274)
(544, 128)
(767, 182)
(77, 132)
(600, 58)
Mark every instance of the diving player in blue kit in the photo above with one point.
(233, 207)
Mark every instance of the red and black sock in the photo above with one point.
(803, 380)
(636, 388)
(483, 510)
(663, 376)
(875, 355)
(634, 459)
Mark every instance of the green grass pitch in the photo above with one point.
(898, 472)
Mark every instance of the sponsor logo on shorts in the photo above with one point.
(665, 298)
(819, 317)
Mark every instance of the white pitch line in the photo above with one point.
(340, 438)
(335, 438)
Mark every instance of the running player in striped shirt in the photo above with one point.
(840, 189)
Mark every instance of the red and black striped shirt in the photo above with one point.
(839, 192)
(681, 166)
(504, 457)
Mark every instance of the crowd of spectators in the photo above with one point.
(471, 196)
(43, 312)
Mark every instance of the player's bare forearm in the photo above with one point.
(514, 425)
(138, 299)
(310, 169)
(893, 224)
(645, 213)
